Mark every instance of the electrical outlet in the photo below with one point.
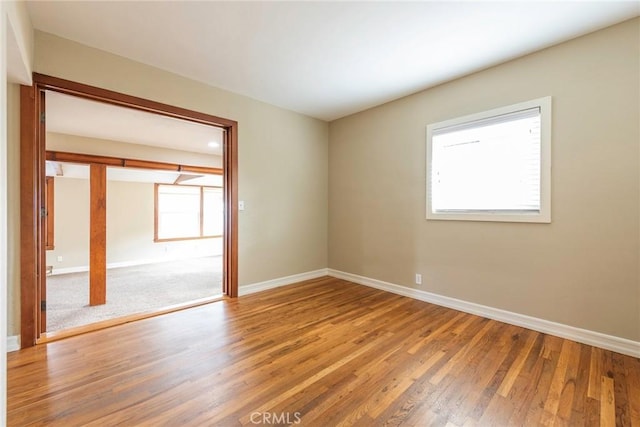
(59, 258)
(418, 279)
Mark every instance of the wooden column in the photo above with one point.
(98, 236)
(29, 217)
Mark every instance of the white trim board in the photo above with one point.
(281, 281)
(13, 343)
(596, 339)
(85, 268)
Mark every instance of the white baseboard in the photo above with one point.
(596, 339)
(282, 281)
(85, 268)
(69, 270)
(13, 343)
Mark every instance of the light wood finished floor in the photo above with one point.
(322, 353)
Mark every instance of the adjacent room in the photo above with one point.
(398, 213)
(144, 272)
(164, 222)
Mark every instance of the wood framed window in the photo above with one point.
(185, 212)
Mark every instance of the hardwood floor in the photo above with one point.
(322, 353)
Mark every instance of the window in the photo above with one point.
(491, 166)
(188, 212)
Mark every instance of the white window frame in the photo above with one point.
(544, 214)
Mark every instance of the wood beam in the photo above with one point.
(144, 164)
(98, 235)
(61, 156)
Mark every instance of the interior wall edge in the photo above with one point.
(4, 20)
(20, 35)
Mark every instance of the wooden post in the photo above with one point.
(98, 236)
(29, 218)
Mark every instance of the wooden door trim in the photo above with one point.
(40, 175)
(230, 245)
(32, 164)
(107, 96)
(29, 195)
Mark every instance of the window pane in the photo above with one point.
(178, 225)
(178, 211)
(493, 166)
(213, 211)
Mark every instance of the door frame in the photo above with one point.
(32, 187)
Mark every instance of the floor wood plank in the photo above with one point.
(324, 352)
(607, 403)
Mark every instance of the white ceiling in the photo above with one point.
(77, 116)
(325, 59)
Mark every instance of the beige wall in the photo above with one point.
(16, 57)
(71, 223)
(130, 232)
(580, 270)
(282, 155)
(20, 41)
(283, 158)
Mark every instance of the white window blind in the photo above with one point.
(488, 165)
(491, 166)
(188, 212)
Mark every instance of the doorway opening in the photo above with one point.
(214, 237)
(163, 241)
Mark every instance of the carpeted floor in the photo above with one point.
(131, 290)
